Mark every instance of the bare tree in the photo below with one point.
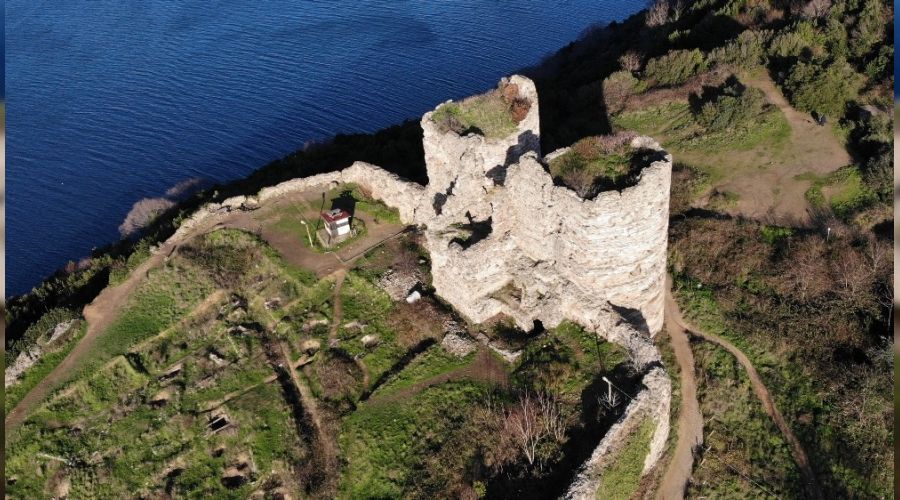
(521, 419)
(551, 416)
(657, 14)
(143, 213)
(610, 400)
(534, 419)
(815, 8)
(630, 61)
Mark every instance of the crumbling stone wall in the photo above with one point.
(551, 255)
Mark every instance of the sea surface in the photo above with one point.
(109, 102)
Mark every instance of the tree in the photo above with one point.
(676, 67)
(657, 14)
(823, 88)
(631, 61)
(816, 8)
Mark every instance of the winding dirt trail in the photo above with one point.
(762, 393)
(108, 305)
(690, 420)
(99, 314)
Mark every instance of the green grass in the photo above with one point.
(486, 114)
(387, 444)
(722, 200)
(844, 191)
(587, 164)
(47, 362)
(166, 297)
(567, 360)
(431, 363)
(138, 256)
(675, 125)
(622, 477)
(775, 235)
(745, 454)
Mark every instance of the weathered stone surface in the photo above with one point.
(399, 193)
(463, 170)
(458, 345)
(651, 402)
(27, 359)
(552, 255)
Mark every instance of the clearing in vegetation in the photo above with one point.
(748, 141)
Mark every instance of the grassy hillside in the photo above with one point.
(780, 241)
(193, 391)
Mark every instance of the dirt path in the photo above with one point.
(326, 441)
(485, 368)
(690, 420)
(800, 457)
(338, 305)
(99, 314)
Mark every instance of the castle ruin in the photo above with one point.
(504, 239)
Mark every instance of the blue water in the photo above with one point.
(110, 102)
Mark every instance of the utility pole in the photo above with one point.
(609, 391)
(309, 236)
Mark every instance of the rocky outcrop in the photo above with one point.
(27, 359)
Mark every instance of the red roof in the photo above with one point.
(335, 215)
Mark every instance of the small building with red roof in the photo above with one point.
(337, 224)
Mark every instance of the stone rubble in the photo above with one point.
(27, 359)
(458, 345)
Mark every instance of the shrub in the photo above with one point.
(745, 51)
(870, 27)
(881, 64)
(617, 88)
(802, 38)
(595, 163)
(825, 89)
(732, 106)
(674, 68)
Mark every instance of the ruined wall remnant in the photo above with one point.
(550, 254)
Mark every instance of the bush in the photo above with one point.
(825, 89)
(869, 31)
(617, 88)
(674, 68)
(733, 105)
(745, 51)
(802, 39)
